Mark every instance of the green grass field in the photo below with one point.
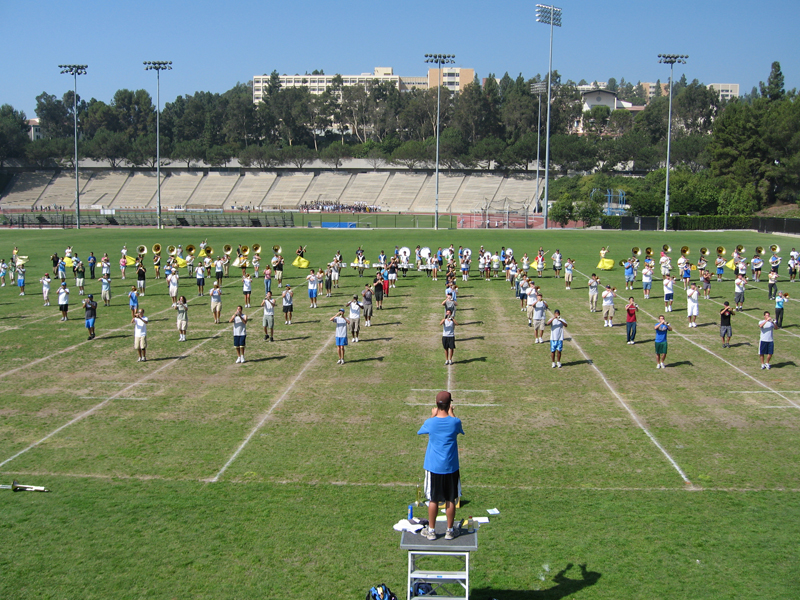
(190, 476)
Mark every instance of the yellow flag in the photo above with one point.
(67, 261)
(731, 265)
(300, 263)
(130, 261)
(605, 264)
(181, 262)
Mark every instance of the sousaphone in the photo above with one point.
(141, 249)
(156, 248)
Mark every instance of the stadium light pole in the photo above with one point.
(670, 59)
(158, 66)
(538, 89)
(439, 60)
(549, 15)
(75, 70)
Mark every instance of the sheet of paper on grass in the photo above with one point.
(492, 511)
(481, 519)
(406, 525)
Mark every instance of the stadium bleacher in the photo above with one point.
(449, 185)
(288, 190)
(137, 191)
(26, 189)
(251, 189)
(400, 191)
(102, 188)
(213, 190)
(475, 192)
(364, 188)
(177, 189)
(61, 190)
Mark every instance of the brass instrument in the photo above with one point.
(156, 248)
(209, 251)
(637, 251)
(704, 251)
(19, 487)
(467, 253)
(666, 248)
(257, 248)
(246, 250)
(141, 249)
(648, 251)
(684, 249)
(276, 249)
(621, 262)
(509, 252)
(190, 249)
(172, 250)
(721, 250)
(227, 249)
(759, 249)
(740, 249)
(775, 248)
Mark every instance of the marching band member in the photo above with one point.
(669, 291)
(608, 306)
(692, 304)
(568, 268)
(666, 264)
(738, 291)
(719, 262)
(557, 258)
(630, 321)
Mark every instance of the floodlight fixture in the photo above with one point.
(439, 60)
(549, 15)
(75, 70)
(158, 66)
(670, 59)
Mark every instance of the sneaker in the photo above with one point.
(451, 534)
(447, 362)
(763, 367)
(266, 337)
(553, 366)
(429, 533)
(768, 367)
(530, 324)
(558, 364)
(271, 340)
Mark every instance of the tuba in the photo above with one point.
(172, 250)
(721, 250)
(156, 248)
(209, 251)
(227, 249)
(666, 248)
(636, 251)
(245, 250)
(190, 249)
(704, 251)
(621, 262)
(775, 248)
(759, 249)
(648, 251)
(276, 249)
(740, 249)
(467, 253)
(257, 248)
(141, 249)
(685, 249)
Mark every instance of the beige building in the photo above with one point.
(726, 91)
(453, 79)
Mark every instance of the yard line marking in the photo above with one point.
(774, 406)
(765, 392)
(718, 357)
(430, 390)
(746, 314)
(458, 403)
(270, 411)
(632, 414)
(97, 407)
(107, 398)
(78, 345)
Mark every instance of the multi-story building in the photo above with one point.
(453, 79)
(35, 130)
(726, 91)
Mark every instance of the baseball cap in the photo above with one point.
(288, 287)
(443, 397)
(64, 284)
(91, 296)
(341, 310)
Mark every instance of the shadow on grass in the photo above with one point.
(786, 363)
(681, 363)
(110, 337)
(707, 325)
(741, 344)
(359, 360)
(395, 308)
(471, 323)
(564, 587)
(385, 339)
(575, 363)
(469, 339)
(302, 337)
(385, 324)
(304, 322)
(266, 358)
(470, 360)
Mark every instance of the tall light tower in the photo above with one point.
(439, 60)
(538, 89)
(158, 66)
(549, 15)
(75, 70)
(670, 59)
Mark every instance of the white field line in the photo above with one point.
(750, 284)
(774, 406)
(78, 345)
(718, 357)
(630, 412)
(107, 398)
(431, 390)
(746, 314)
(764, 392)
(269, 412)
(119, 394)
(459, 404)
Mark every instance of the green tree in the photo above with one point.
(659, 91)
(410, 154)
(588, 212)
(739, 201)
(620, 122)
(111, 146)
(299, 156)
(561, 211)
(40, 153)
(487, 151)
(773, 89)
(334, 155)
(53, 116)
(220, 156)
(13, 133)
(573, 153)
(188, 151)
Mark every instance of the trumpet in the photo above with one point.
(684, 249)
(190, 249)
(704, 251)
(721, 250)
(142, 249)
(172, 250)
(759, 249)
(209, 250)
(276, 249)
(740, 249)
(246, 250)
(666, 248)
(156, 248)
(227, 249)
(775, 248)
(637, 251)
(257, 248)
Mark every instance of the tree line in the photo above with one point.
(748, 144)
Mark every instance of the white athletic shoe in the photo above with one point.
(558, 364)
(768, 367)
(553, 366)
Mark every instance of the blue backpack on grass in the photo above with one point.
(380, 592)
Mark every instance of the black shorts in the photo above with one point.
(442, 487)
(448, 342)
(288, 309)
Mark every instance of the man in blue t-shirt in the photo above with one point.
(630, 275)
(662, 327)
(442, 480)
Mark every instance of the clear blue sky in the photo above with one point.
(215, 44)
